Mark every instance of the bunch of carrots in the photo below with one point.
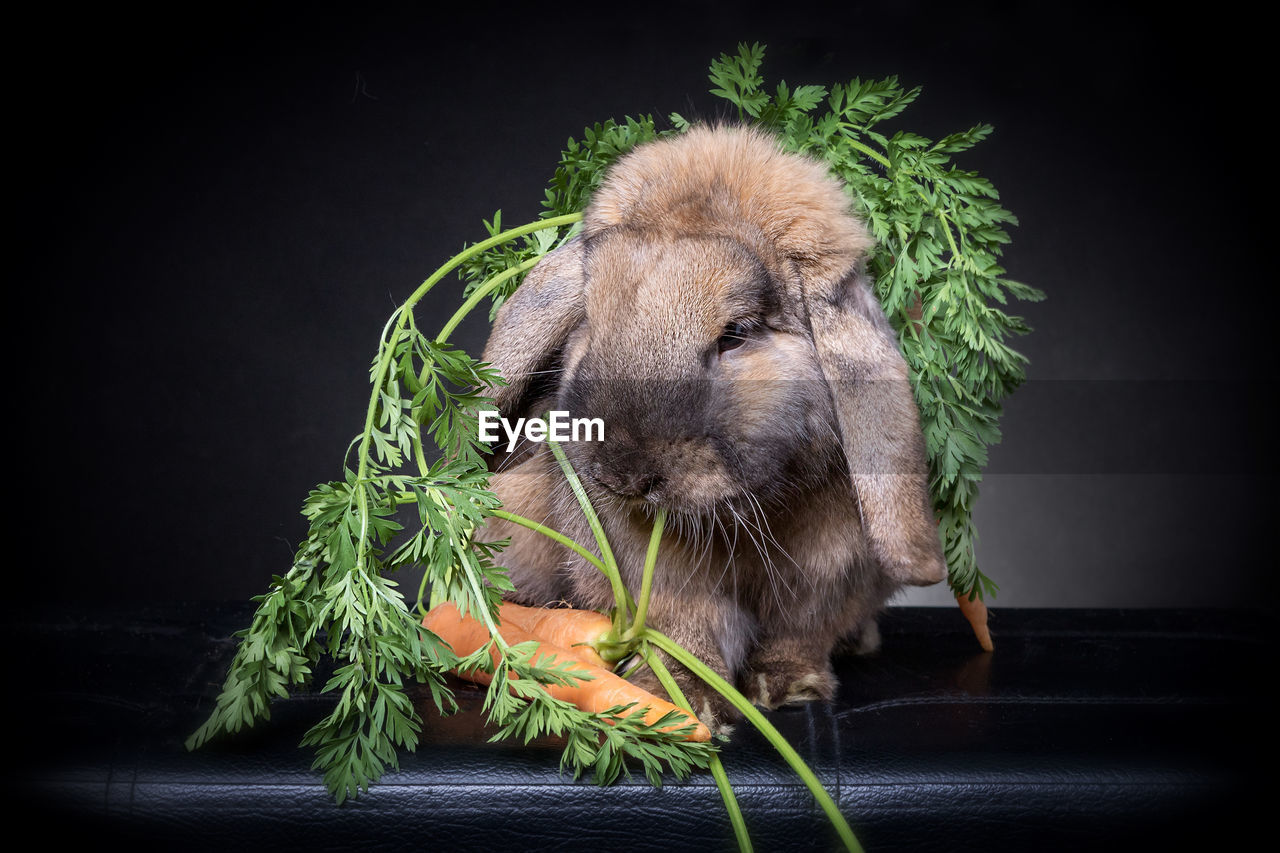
(561, 634)
(565, 634)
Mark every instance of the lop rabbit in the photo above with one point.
(716, 315)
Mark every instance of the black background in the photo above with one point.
(218, 210)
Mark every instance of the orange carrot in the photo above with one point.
(573, 630)
(976, 612)
(605, 690)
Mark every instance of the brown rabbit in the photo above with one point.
(715, 314)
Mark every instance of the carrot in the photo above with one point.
(976, 612)
(576, 631)
(604, 691)
(973, 608)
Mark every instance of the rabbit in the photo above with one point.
(715, 313)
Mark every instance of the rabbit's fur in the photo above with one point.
(786, 448)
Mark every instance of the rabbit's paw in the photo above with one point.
(771, 684)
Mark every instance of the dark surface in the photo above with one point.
(1101, 729)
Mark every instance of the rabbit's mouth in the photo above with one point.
(701, 509)
(723, 533)
(683, 477)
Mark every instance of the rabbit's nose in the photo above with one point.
(627, 484)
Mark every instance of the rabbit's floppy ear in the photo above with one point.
(880, 428)
(530, 330)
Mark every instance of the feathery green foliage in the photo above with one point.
(339, 600)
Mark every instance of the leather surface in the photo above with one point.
(1099, 729)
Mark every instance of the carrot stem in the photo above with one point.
(553, 534)
(471, 252)
(479, 294)
(646, 582)
(716, 766)
(621, 597)
(771, 734)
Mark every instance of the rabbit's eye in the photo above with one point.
(734, 336)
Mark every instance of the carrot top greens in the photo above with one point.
(940, 232)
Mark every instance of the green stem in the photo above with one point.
(419, 453)
(480, 293)
(620, 595)
(492, 626)
(716, 766)
(946, 228)
(504, 237)
(646, 583)
(422, 591)
(753, 716)
(553, 534)
(870, 152)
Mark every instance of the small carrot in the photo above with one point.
(604, 691)
(976, 612)
(576, 631)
